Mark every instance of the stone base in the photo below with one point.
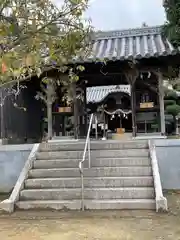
(7, 206)
(161, 205)
(103, 204)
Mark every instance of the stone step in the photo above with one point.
(95, 145)
(98, 162)
(89, 182)
(92, 172)
(118, 204)
(89, 193)
(94, 154)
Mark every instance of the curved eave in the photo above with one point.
(99, 94)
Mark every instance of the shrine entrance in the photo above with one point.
(118, 114)
(120, 121)
(113, 110)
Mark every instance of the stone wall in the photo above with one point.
(168, 154)
(12, 159)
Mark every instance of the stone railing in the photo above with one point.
(8, 204)
(161, 201)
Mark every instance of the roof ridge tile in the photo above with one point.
(132, 32)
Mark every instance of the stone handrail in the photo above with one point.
(86, 147)
(8, 204)
(161, 201)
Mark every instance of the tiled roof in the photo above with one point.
(130, 44)
(98, 94)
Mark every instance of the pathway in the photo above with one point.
(112, 225)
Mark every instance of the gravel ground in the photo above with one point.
(106, 225)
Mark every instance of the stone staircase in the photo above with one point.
(120, 177)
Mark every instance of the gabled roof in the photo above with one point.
(130, 44)
(98, 94)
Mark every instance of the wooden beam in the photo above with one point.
(121, 73)
(153, 88)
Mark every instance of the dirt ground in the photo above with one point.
(106, 225)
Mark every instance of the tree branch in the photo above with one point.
(31, 34)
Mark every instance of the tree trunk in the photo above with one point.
(2, 117)
(75, 108)
(131, 78)
(49, 116)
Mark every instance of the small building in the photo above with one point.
(122, 85)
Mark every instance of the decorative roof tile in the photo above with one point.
(130, 44)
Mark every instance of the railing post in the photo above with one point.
(89, 153)
(87, 145)
(161, 201)
(82, 192)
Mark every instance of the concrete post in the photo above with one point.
(161, 102)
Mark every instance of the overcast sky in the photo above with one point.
(120, 14)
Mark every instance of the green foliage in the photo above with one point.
(171, 95)
(169, 102)
(35, 34)
(172, 26)
(172, 106)
(174, 110)
(177, 87)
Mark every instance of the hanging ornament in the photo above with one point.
(118, 110)
(3, 68)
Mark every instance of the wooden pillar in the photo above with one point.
(85, 111)
(50, 93)
(104, 130)
(133, 107)
(75, 110)
(161, 103)
(49, 116)
(131, 78)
